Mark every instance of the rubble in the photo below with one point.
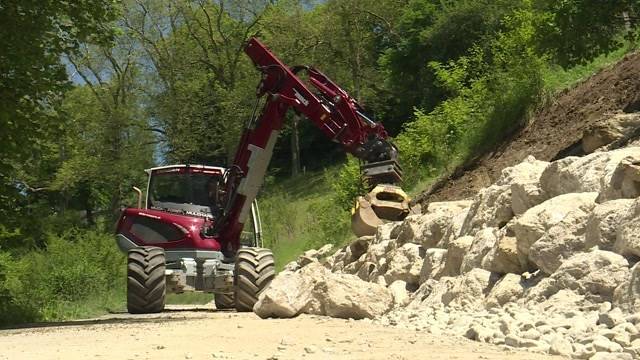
(545, 259)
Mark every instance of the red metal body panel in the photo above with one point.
(190, 227)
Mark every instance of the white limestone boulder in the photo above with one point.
(535, 222)
(590, 173)
(433, 265)
(404, 263)
(483, 242)
(314, 290)
(604, 221)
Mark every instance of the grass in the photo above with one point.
(556, 78)
(290, 214)
(189, 298)
(91, 307)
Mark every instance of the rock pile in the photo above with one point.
(546, 259)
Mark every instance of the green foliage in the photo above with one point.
(77, 267)
(557, 78)
(304, 212)
(33, 37)
(347, 184)
(491, 88)
(577, 31)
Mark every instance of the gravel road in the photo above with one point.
(202, 333)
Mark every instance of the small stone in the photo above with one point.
(611, 318)
(531, 334)
(602, 344)
(610, 356)
(634, 319)
(310, 349)
(582, 351)
(623, 339)
(560, 346)
(188, 356)
(626, 327)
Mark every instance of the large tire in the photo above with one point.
(254, 270)
(146, 285)
(224, 301)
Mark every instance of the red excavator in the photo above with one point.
(199, 229)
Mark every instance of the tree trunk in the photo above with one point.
(295, 146)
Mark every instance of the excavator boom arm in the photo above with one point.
(326, 105)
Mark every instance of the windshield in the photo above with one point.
(170, 190)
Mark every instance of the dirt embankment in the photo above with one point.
(553, 132)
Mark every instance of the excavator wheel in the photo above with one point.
(254, 270)
(224, 301)
(146, 285)
(382, 204)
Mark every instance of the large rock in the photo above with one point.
(596, 274)
(387, 231)
(409, 230)
(469, 290)
(628, 232)
(359, 247)
(378, 251)
(503, 257)
(604, 222)
(561, 241)
(288, 294)
(508, 289)
(608, 130)
(455, 253)
(493, 206)
(463, 292)
(526, 191)
(525, 196)
(433, 265)
(354, 266)
(483, 242)
(404, 263)
(627, 294)
(591, 173)
(347, 297)
(526, 172)
(535, 222)
(314, 290)
(430, 228)
(455, 228)
(449, 207)
(624, 182)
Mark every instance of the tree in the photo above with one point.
(33, 38)
(576, 31)
(201, 89)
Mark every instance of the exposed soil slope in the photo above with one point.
(553, 132)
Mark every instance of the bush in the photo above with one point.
(76, 268)
(491, 89)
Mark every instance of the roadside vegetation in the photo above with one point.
(100, 90)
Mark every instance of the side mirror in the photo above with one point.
(139, 196)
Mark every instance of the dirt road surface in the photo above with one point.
(202, 333)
